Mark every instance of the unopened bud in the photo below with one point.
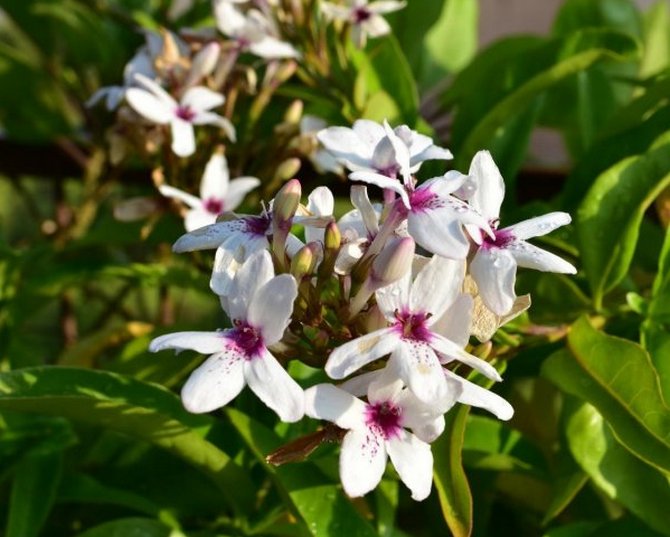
(293, 113)
(332, 237)
(288, 168)
(286, 201)
(393, 262)
(203, 63)
(304, 261)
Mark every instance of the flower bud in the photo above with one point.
(393, 262)
(286, 201)
(294, 112)
(203, 63)
(332, 237)
(304, 261)
(288, 168)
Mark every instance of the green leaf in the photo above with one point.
(382, 66)
(141, 410)
(36, 480)
(617, 377)
(655, 330)
(548, 64)
(452, 40)
(311, 495)
(129, 527)
(609, 218)
(79, 488)
(656, 39)
(449, 476)
(574, 15)
(623, 477)
(576, 529)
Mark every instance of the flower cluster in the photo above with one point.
(382, 299)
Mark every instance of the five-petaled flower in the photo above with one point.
(416, 349)
(158, 106)
(260, 308)
(365, 18)
(217, 193)
(376, 431)
(498, 255)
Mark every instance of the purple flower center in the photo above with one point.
(360, 14)
(413, 325)
(214, 206)
(423, 199)
(502, 239)
(385, 416)
(185, 112)
(247, 338)
(258, 225)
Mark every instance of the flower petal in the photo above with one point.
(208, 237)
(490, 191)
(156, 89)
(271, 307)
(330, 403)
(494, 271)
(210, 118)
(439, 232)
(376, 26)
(271, 48)
(175, 193)
(454, 323)
(394, 297)
(362, 461)
(453, 352)
(354, 354)
(370, 134)
(417, 364)
(345, 144)
(238, 188)
(183, 137)
(198, 218)
(202, 342)
(275, 387)
(215, 383)
(529, 256)
(540, 225)
(436, 286)
(358, 385)
(386, 6)
(256, 271)
(479, 397)
(413, 461)
(367, 212)
(149, 106)
(201, 99)
(214, 183)
(381, 181)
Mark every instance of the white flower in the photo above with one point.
(260, 308)
(376, 431)
(415, 347)
(494, 265)
(323, 160)
(435, 218)
(367, 147)
(252, 31)
(217, 193)
(158, 106)
(365, 18)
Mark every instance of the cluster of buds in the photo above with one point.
(382, 299)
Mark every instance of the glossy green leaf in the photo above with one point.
(313, 497)
(36, 480)
(449, 476)
(576, 529)
(655, 330)
(130, 527)
(656, 39)
(617, 377)
(623, 477)
(490, 444)
(574, 15)
(555, 61)
(141, 410)
(382, 66)
(608, 219)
